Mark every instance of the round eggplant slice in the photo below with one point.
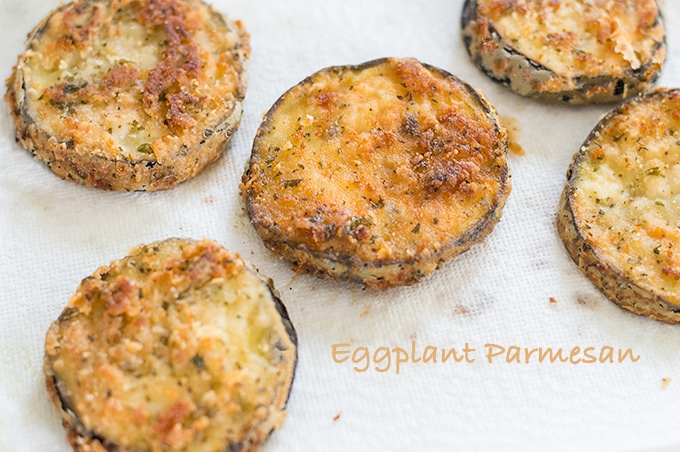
(378, 172)
(123, 95)
(178, 346)
(571, 51)
(620, 209)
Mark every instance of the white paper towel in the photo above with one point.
(54, 233)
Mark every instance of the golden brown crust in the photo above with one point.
(620, 209)
(378, 172)
(179, 346)
(567, 50)
(124, 95)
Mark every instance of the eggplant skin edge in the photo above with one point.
(501, 61)
(607, 279)
(610, 280)
(382, 275)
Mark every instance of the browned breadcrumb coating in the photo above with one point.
(378, 172)
(620, 208)
(572, 51)
(179, 347)
(130, 95)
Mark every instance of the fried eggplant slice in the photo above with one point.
(572, 51)
(619, 215)
(130, 95)
(378, 172)
(178, 346)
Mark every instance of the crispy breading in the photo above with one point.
(620, 209)
(124, 95)
(377, 172)
(572, 51)
(178, 346)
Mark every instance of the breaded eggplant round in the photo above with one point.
(378, 172)
(572, 51)
(130, 95)
(619, 215)
(178, 346)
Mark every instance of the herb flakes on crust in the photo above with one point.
(377, 173)
(130, 95)
(619, 215)
(179, 346)
(571, 51)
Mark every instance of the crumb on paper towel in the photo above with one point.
(513, 127)
(553, 300)
(336, 417)
(461, 310)
(665, 381)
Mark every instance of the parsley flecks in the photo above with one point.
(287, 183)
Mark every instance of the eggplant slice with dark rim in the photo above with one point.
(620, 209)
(178, 346)
(130, 95)
(568, 51)
(377, 173)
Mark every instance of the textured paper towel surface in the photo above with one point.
(54, 233)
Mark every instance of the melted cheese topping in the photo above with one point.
(579, 37)
(134, 80)
(386, 162)
(627, 198)
(177, 347)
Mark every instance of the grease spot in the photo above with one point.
(587, 300)
(366, 311)
(479, 302)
